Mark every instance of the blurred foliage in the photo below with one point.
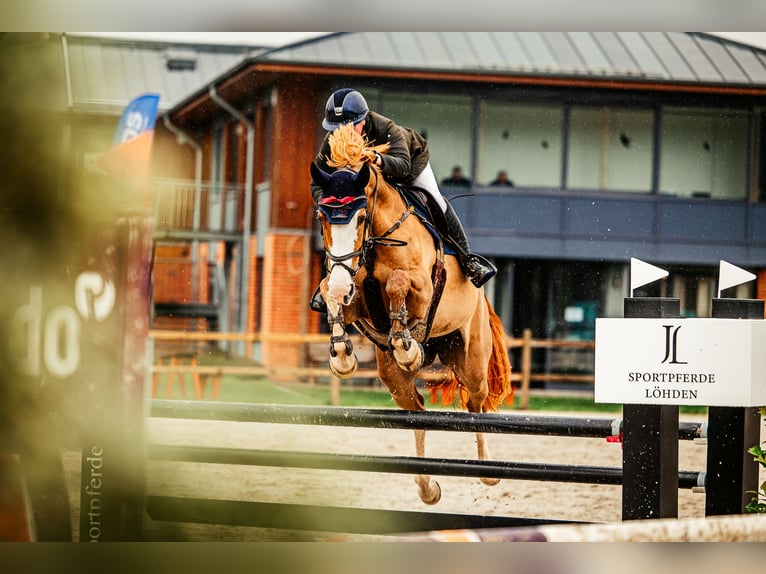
(758, 502)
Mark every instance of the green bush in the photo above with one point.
(758, 502)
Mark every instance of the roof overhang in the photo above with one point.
(251, 77)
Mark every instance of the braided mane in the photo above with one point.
(351, 149)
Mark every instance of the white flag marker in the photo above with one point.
(730, 275)
(642, 273)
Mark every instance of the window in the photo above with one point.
(610, 149)
(445, 121)
(704, 153)
(522, 139)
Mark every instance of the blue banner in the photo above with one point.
(139, 116)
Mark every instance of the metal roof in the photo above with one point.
(667, 57)
(106, 74)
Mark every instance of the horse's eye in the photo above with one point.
(362, 218)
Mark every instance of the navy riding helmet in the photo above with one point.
(344, 106)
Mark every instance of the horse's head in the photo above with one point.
(343, 214)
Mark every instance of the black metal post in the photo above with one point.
(731, 471)
(650, 448)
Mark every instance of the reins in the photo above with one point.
(383, 240)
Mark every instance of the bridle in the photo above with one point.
(334, 208)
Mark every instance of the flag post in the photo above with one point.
(732, 474)
(650, 432)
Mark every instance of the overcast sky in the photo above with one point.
(281, 38)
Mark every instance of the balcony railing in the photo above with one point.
(183, 205)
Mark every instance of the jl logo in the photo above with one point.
(671, 345)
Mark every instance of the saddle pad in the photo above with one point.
(424, 209)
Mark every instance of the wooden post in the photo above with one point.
(199, 388)
(526, 367)
(156, 379)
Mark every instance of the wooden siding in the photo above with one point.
(295, 128)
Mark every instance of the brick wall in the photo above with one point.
(284, 306)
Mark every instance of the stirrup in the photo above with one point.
(478, 269)
(317, 303)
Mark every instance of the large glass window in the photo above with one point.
(610, 149)
(445, 121)
(523, 140)
(704, 153)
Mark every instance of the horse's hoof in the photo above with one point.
(490, 481)
(343, 373)
(412, 363)
(435, 496)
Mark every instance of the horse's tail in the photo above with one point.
(498, 372)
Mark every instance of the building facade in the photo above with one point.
(618, 145)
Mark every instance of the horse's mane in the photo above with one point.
(351, 149)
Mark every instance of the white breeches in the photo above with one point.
(427, 181)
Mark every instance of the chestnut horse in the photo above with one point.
(389, 277)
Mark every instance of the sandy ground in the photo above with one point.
(521, 498)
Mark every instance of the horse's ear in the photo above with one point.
(363, 176)
(319, 176)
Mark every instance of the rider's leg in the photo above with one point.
(478, 269)
(475, 267)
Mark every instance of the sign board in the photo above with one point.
(706, 362)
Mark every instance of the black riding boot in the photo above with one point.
(317, 302)
(478, 269)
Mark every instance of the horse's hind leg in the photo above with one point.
(477, 390)
(483, 449)
(407, 352)
(475, 401)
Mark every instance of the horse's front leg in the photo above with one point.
(343, 361)
(401, 385)
(407, 352)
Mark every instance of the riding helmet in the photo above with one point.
(344, 106)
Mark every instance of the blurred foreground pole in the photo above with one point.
(74, 311)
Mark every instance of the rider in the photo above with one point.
(407, 162)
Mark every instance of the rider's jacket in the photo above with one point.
(407, 156)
